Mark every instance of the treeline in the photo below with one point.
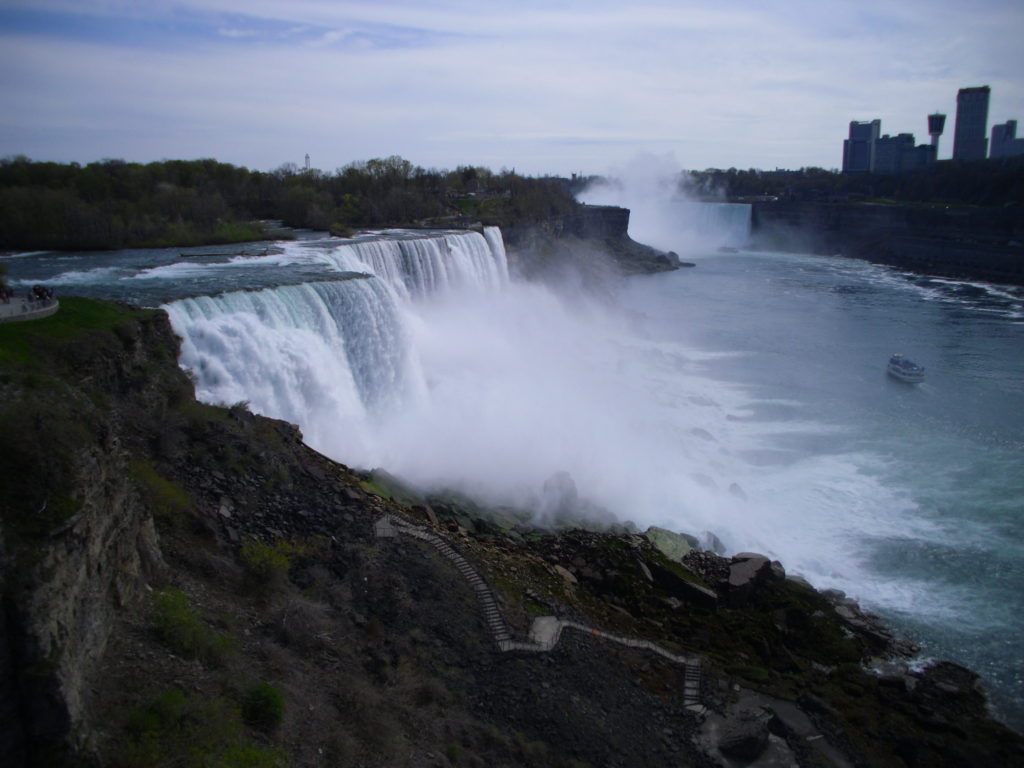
(116, 204)
(986, 183)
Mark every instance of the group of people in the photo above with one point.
(40, 293)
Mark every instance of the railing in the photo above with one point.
(545, 631)
(17, 310)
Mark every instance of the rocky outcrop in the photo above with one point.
(673, 545)
(593, 240)
(60, 608)
(978, 243)
(747, 571)
(77, 543)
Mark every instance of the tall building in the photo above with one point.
(859, 149)
(1004, 140)
(936, 124)
(896, 154)
(969, 135)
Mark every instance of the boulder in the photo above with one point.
(682, 588)
(673, 545)
(746, 571)
(744, 734)
(566, 574)
(425, 513)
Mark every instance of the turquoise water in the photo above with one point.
(909, 497)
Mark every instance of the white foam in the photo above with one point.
(91, 276)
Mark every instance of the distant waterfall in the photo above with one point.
(716, 224)
(332, 356)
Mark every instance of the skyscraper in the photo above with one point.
(859, 149)
(1004, 140)
(970, 140)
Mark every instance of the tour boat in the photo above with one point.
(905, 370)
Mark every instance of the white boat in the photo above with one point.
(905, 370)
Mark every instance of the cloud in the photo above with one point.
(236, 34)
(544, 87)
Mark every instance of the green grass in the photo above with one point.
(20, 342)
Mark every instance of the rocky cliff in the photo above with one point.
(191, 585)
(593, 238)
(972, 243)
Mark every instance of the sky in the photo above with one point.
(552, 87)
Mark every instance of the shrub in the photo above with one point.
(179, 626)
(263, 706)
(168, 500)
(266, 564)
(190, 732)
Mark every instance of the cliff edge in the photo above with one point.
(954, 241)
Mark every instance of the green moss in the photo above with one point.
(676, 568)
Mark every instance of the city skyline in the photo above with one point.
(540, 87)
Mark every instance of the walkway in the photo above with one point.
(20, 309)
(545, 631)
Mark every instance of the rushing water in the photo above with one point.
(746, 397)
(910, 498)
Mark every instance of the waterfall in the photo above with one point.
(332, 356)
(415, 267)
(715, 224)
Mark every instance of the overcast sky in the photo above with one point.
(556, 87)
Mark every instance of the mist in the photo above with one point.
(665, 211)
(544, 396)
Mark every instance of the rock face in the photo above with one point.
(68, 572)
(593, 241)
(957, 241)
(63, 609)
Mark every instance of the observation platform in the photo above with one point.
(18, 310)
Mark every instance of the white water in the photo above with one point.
(746, 398)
